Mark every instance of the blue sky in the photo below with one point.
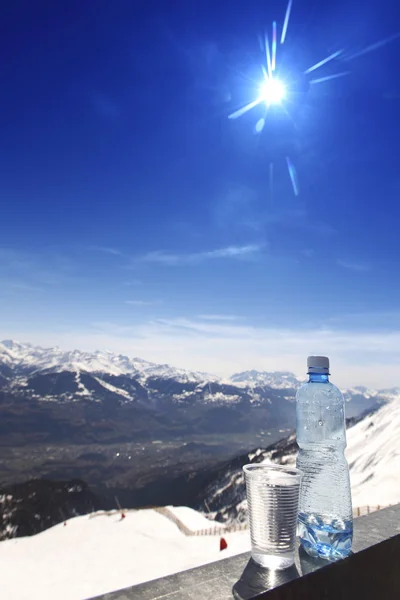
(137, 217)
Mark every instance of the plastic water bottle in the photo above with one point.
(325, 520)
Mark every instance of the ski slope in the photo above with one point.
(98, 553)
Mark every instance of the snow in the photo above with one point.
(96, 554)
(189, 518)
(221, 397)
(373, 454)
(83, 391)
(180, 375)
(112, 388)
(264, 378)
(36, 359)
(25, 360)
(374, 457)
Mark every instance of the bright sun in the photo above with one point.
(272, 91)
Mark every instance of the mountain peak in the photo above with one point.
(277, 379)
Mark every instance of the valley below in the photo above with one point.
(137, 474)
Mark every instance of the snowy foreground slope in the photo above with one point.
(373, 454)
(374, 457)
(98, 553)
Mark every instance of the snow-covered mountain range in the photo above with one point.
(279, 379)
(26, 358)
(373, 454)
(102, 396)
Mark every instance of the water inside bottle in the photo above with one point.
(325, 537)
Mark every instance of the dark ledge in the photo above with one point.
(371, 573)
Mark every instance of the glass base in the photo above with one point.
(273, 561)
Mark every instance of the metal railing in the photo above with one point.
(371, 572)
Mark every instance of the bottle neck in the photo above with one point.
(318, 378)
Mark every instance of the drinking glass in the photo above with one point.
(273, 500)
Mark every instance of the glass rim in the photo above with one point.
(264, 468)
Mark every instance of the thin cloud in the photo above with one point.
(104, 106)
(308, 252)
(229, 252)
(219, 317)
(24, 287)
(7, 285)
(376, 320)
(237, 209)
(107, 250)
(15, 260)
(232, 251)
(142, 302)
(133, 283)
(359, 267)
(32, 272)
(298, 218)
(158, 256)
